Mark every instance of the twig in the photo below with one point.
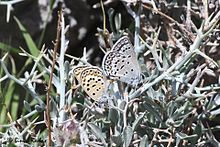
(188, 15)
(9, 6)
(153, 49)
(63, 47)
(21, 83)
(136, 17)
(172, 20)
(193, 50)
(51, 77)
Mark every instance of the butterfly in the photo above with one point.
(92, 81)
(121, 63)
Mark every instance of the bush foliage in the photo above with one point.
(177, 47)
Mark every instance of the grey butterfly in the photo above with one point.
(121, 63)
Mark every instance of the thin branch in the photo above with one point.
(63, 47)
(193, 50)
(51, 77)
(172, 20)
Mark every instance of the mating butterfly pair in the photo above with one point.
(119, 63)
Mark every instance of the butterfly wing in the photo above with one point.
(93, 82)
(124, 46)
(78, 70)
(121, 62)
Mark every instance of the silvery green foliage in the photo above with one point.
(172, 106)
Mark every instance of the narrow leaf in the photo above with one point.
(97, 132)
(8, 48)
(27, 106)
(29, 41)
(137, 121)
(116, 139)
(144, 142)
(128, 133)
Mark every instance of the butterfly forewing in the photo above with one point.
(121, 62)
(124, 46)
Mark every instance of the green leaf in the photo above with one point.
(116, 139)
(29, 41)
(111, 12)
(182, 111)
(11, 145)
(128, 133)
(118, 21)
(27, 106)
(97, 132)
(122, 104)
(144, 142)
(113, 115)
(170, 108)
(198, 132)
(152, 110)
(8, 48)
(183, 136)
(8, 94)
(38, 108)
(137, 121)
(15, 106)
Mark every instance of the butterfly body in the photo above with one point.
(121, 63)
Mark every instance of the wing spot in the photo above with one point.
(125, 73)
(118, 55)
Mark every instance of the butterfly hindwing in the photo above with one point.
(93, 82)
(78, 70)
